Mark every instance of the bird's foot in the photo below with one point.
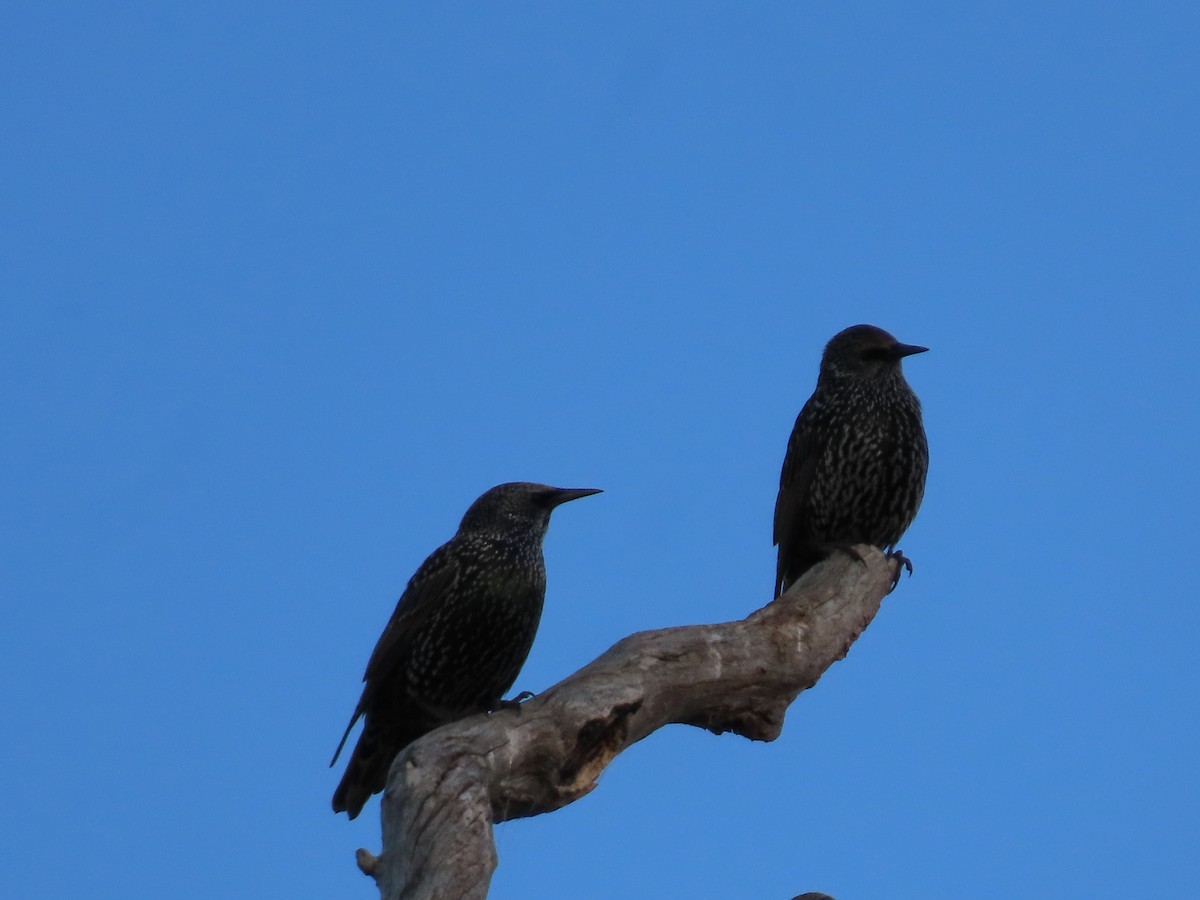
(903, 562)
(514, 703)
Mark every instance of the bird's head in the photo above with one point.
(518, 507)
(864, 352)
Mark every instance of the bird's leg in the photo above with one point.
(903, 562)
(514, 703)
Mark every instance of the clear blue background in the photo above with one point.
(287, 285)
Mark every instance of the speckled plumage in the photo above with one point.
(854, 471)
(459, 634)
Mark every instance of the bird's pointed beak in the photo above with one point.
(564, 495)
(902, 350)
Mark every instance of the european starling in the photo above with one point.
(459, 635)
(854, 472)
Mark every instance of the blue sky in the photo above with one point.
(287, 285)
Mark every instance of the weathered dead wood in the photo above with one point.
(445, 791)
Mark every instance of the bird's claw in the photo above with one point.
(903, 562)
(513, 703)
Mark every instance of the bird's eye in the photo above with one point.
(871, 353)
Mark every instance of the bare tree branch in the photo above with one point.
(445, 790)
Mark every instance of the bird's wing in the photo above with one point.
(795, 481)
(795, 478)
(432, 580)
(437, 575)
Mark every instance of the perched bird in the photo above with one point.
(459, 635)
(854, 471)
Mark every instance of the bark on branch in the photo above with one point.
(445, 790)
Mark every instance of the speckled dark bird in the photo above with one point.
(854, 471)
(459, 635)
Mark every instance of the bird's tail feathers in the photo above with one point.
(366, 772)
(359, 781)
(345, 734)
